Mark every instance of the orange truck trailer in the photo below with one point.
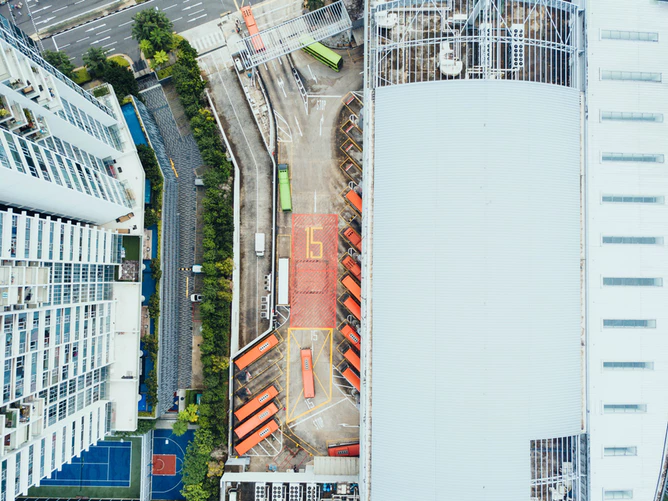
(352, 336)
(352, 378)
(255, 421)
(256, 352)
(352, 450)
(257, 437)
(354, 238)
(351, 265)
(307, 373)
(265, 396)
(352, 287)
(353, 358)
(354, 307)
(355, 200)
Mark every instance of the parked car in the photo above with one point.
(196, 298)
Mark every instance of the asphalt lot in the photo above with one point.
(42, 14)
(114, 32)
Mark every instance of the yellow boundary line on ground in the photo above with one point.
(330, 335)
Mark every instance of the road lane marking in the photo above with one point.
(311, 71)
(95, 27)
(101, 40)
(196, 18)
(110, 44)
(103, 31)
(80, 1)
(57, 10)
(192, 6)
(177, 19)
(298, 127)
(46, 20)
(63, 46)
(196, 12)
(128, 38)
(123, 24)
(81, 40)
(167, 8)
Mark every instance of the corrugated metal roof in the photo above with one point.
(476, 286)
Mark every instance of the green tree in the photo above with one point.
(220, 363)
(121, 79)
(195, 492)
(179, 427)
(161, 39)
(160, 57)
(148, 20)
(95, 60)
(189, 414)
(60, 60)
(147, 48)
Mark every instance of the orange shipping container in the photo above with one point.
(249, 408)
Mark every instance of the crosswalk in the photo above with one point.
(209, 42)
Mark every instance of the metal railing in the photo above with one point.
(34, 54)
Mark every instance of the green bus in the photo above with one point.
(284, 187)
(323, 54)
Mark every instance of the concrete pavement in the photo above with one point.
(114, 32)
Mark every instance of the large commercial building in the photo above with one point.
(517, 148)
(69, 177)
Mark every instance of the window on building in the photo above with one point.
(633, 281)
(629, 323)
(636, 36)
(632, 157)
(625, 116)
(631, 199)
(628, 366)
(618, 494)
(634, 76)
(633, 240)
(624, 408)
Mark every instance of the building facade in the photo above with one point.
(69, 176)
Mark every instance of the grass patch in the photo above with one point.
(120, 60)
(131, 246)
(100, 91)
(81, 76)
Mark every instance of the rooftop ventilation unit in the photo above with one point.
(449, 63)
(312, 492)
(294, 492)
(517, 46)
(260, 491)
(386, 19)
(485, 45)
(277, 492)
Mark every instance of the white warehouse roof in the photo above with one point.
(476, 286)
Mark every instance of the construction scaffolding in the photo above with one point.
(427, 40)
(293, 35)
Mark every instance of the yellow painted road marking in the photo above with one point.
(173, 168)
(187, 280)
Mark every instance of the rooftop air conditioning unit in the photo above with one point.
(450, 64)
(517, 46)
(384, 19)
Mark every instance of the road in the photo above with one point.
(114, 32)
(48, 13)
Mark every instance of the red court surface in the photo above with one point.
(314, 264)
(164, 464)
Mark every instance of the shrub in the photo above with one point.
(60, 60)
(120, 60)
(101, 91)
(121, 79)
(81, 76)
(165, 72)
(95, 60)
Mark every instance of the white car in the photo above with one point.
(196, 298)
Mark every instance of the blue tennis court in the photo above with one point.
(104, 465)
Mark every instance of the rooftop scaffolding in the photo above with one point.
(427, 40)
(294, 34)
